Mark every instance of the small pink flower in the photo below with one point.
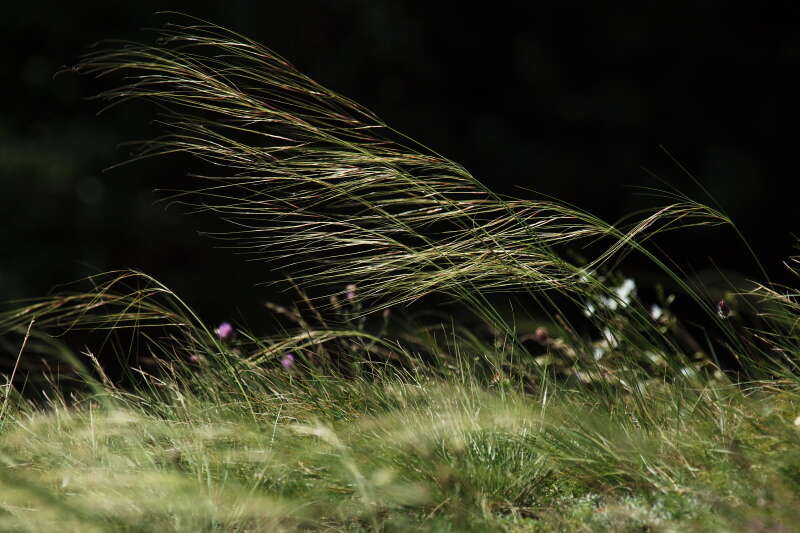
(350, 291)
(197, 358)
(723, 309)
(287, 361)
(224, 331)
(541, 335)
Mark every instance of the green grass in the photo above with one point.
(613, 416)
(402, 452)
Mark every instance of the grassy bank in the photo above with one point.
(251, 449)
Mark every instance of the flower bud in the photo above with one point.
(723, 309)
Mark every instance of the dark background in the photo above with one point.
(570, 99)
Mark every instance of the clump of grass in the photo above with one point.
(395, 451)
(611, 416)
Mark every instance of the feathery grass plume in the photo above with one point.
(313, 179)
(120, 301)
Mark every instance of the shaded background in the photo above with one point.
(572, 101)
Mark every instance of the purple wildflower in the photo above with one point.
(287, 361)
(350, 291)
(224, 331)
(723, 309)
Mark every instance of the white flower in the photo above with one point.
(625, 290)
(621, 298)
(656, 312)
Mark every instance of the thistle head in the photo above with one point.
(350, 291)
(224, 331)
(287, 361)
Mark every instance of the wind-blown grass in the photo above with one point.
(399, 450)
(303, 168)
(613, 417)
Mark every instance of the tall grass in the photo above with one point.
(612, 415)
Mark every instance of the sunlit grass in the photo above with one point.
(396, 451)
